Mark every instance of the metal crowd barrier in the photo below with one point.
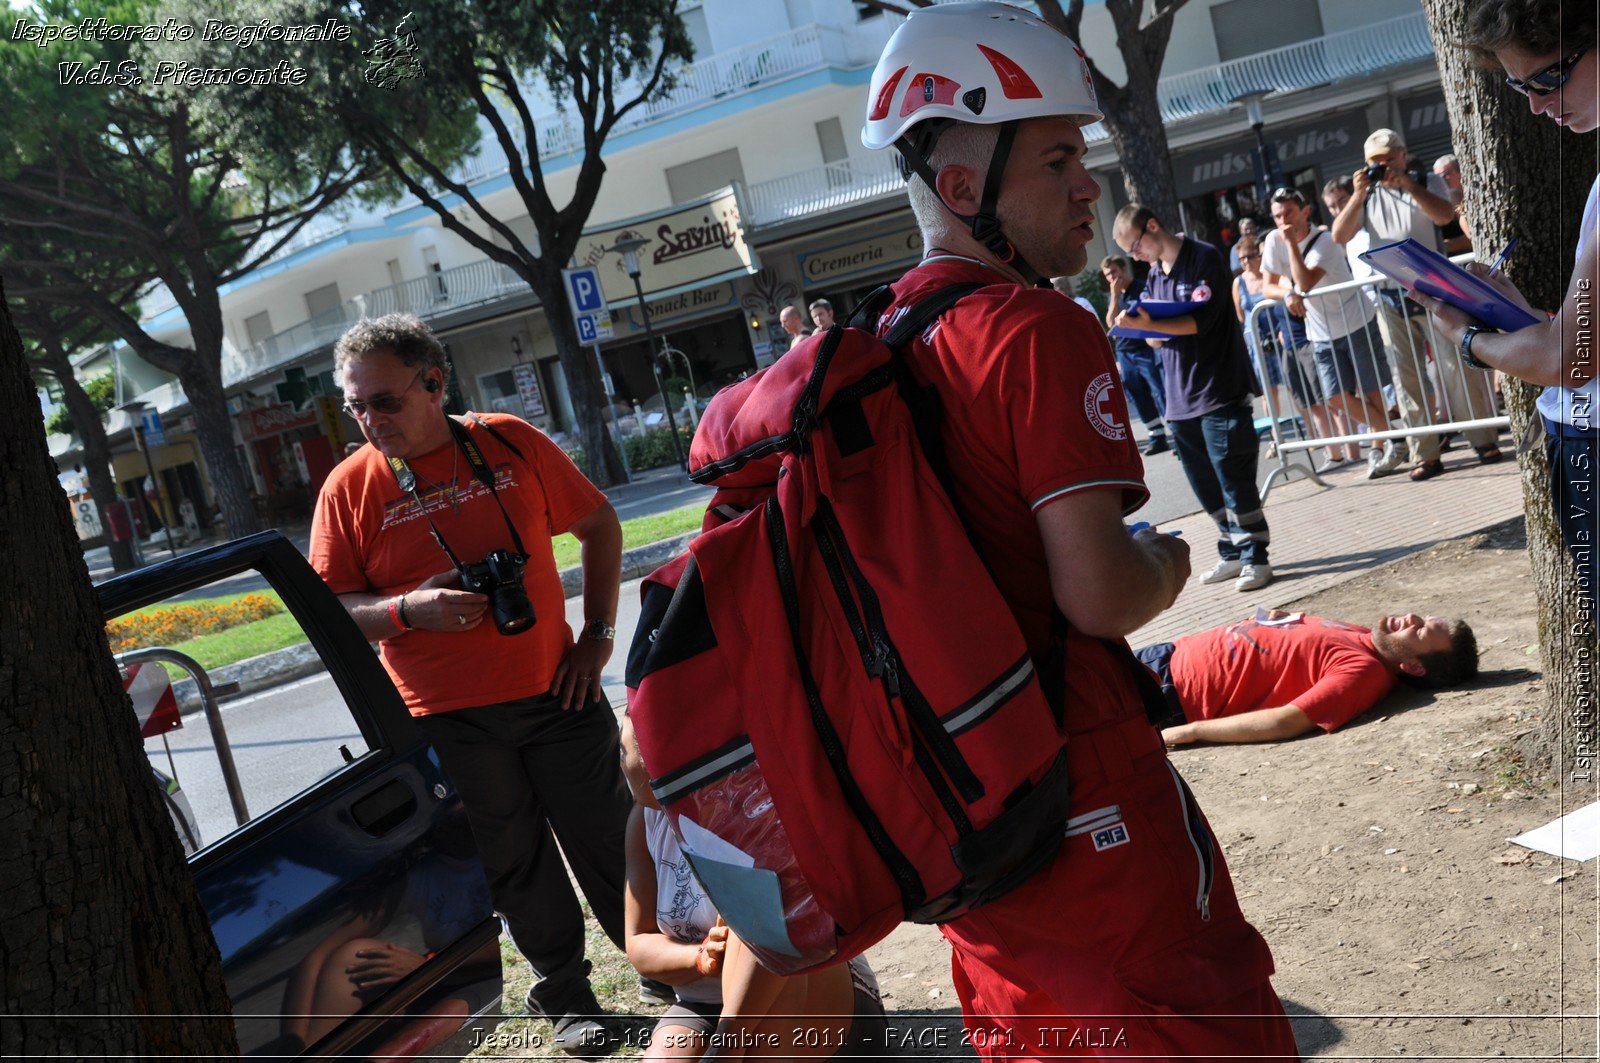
(1386, 354)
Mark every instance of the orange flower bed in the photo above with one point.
(180, 623)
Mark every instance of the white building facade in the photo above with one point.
(771, 108)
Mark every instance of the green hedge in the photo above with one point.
(649, 451)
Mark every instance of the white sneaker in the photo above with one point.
(1223, 570)
(1253, 578)
(1385, 461)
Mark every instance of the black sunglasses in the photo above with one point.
(388, 405)
(1288, 195)
(1551, 78)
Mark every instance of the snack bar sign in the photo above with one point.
(690, 246)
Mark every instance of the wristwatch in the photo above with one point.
(1465, 349)
(599, 630)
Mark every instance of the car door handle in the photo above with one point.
(385, 808)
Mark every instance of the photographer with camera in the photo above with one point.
(437, 539)
(1393, 201)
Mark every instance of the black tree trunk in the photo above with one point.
(201, 379)
(105, 951)
(91, 431)
(1134, 121)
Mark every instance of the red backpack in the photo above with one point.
(837, 709)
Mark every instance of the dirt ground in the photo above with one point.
(1374, 860)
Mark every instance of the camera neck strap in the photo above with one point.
(407, 479)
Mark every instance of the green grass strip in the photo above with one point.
(237, 643)
(638, 532)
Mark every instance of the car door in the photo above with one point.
(331, 852)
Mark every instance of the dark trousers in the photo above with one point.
(525, 768)
(1158, 659)
(1219, 452)
(1141, 379)
(1573, 487)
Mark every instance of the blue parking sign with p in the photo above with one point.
(586, 329)
(583, 287)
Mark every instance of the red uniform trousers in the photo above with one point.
(1130, 944)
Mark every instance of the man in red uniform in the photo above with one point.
(518, 720)
(1278, 674)
(1130, 942)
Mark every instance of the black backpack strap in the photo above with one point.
(926, 418)
(866, 313)
(924, 313)
(494, 432)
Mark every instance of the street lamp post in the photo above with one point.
(1266, 158)
(134, 408)
(628, 247)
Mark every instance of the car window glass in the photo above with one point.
(283, 723)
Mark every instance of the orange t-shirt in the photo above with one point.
(368, 535)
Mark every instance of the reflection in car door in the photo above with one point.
(353, 918)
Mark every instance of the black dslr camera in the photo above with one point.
(499, 576)
(1376, 171)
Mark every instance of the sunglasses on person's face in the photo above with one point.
(1251, 258)
(388, 405)
(1551, 78)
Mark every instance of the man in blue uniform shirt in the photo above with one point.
(1210, 387)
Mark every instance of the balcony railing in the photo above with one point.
(712, 78)
(451, 289)
(1323, 61)
(314, 232)
(825, 188)
(1336, 57)
(430, 296)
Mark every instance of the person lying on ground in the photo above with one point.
(728, 1006)
(1279, 674)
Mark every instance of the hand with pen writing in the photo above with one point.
(1452, 321)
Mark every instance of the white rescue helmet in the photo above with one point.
(981, 62)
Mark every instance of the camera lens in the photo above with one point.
(513, 612)
(1376, 171)
(508, 600)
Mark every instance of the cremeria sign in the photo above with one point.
(689, 246)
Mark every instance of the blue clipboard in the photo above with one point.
(1423, 269)
(1158, 309)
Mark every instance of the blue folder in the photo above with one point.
(1158, 309)
(1423, 269)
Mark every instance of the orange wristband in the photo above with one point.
(700, 963)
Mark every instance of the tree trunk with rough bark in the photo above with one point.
(92, 435)
(1134, 121)
(201, 379)
(1525, 176)
(105, 951)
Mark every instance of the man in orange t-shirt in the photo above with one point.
(1279, 674)
(518, 720)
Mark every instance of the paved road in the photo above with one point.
(283, 740)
